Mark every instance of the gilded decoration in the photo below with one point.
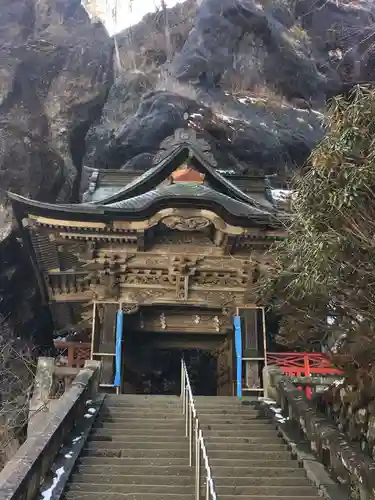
(186, 224)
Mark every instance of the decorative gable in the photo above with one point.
(187, 173)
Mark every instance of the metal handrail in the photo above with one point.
(198, 449)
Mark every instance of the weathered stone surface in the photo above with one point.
(261, 136)
(352, 408)
(21, 476)
(346, 463)
(56, 70)
(247, 74)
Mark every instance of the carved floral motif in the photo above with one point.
(186, 224)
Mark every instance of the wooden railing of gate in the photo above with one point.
(303, 364)
(76, 352)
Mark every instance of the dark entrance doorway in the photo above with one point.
(152, 363)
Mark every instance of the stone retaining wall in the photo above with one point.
(23, 475)
(352, 410)
(346, 463)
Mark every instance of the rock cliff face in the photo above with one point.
(56, 71)
(253, 77)
(55, 74)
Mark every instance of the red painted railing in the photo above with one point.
(76, 352)
(303, 364)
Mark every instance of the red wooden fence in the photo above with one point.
(303, 364)
(76, 352)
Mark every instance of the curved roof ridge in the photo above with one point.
(135, 186)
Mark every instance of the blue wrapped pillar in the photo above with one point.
(119, 327)
(238, 347)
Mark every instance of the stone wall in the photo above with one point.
(352, 408)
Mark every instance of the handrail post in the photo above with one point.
(183, 388)
(197, 462)
(190, 436)
(187, 410)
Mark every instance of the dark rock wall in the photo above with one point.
(23, 315)
(253, 77)
(56, 71)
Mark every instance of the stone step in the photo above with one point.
(257, 455)
(221, 471)
(245, 437)
(155, 412)
(136, 470)
(167, 408)
(228, 409)
(228, 419)
(136, 422)
(94, 451)
(251, 426)
(293, 481)
(139, 424)
(270, 461)
(216, 399)
(240, 410)
(257, 471)
(121, 437)
(255, 425)
(74, 495)
(137, 444)
(103, 461)
(264, 491)
(145, 397)
(130, 479)
(129, 488)
(147, 418)
(210, 436)
(267, 497)
(142, 400)
(230, 446)
(253, 432)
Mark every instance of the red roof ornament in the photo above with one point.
(187, 173)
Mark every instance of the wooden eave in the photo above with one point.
(91, 213)
(157, 174)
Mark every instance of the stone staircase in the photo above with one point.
(137, 450)
(248, 459)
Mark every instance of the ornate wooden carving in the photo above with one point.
(130, 308)
(186, 224)
(170, 319)
(184, 136)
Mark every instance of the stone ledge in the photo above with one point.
(348, 465)
(24, 473)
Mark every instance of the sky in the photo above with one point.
(130, 12)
